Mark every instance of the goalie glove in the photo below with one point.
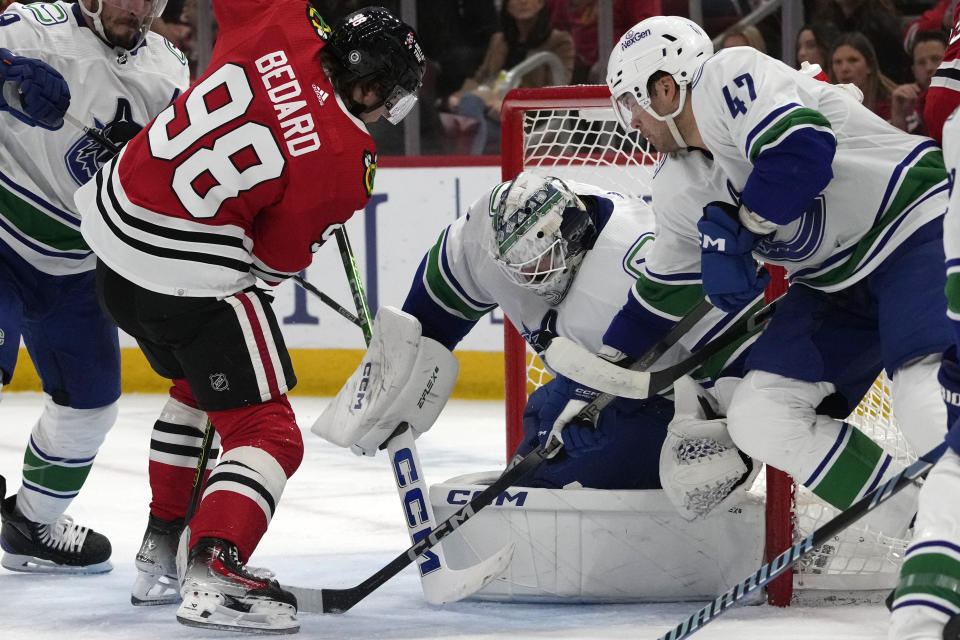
(403, 378)
(700, 467)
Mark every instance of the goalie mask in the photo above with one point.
(541, 232)
(122, 23)
(671, 44)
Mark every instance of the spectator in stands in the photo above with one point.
(814, 44)
(525, 31)
(454, 34)
(854, 60)
(937, 18)
(579, 17)
(745, 36)
(879, 21)
(907, 100)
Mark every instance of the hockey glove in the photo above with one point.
(34, 92)
(729, 270)
(558, 418)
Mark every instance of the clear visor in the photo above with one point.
(398, 104)
(623, 106)
(142, 9)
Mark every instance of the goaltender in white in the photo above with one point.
(591, 524)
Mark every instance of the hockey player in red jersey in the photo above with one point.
(242, 177)
(944, 94)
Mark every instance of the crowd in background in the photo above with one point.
(887, 48)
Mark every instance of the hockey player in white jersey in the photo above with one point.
(95, 61)
(850, 206)
(926, 602)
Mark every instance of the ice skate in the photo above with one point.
(60, 547)
(156, 563)
(220, 593)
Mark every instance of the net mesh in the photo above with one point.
(588, 145)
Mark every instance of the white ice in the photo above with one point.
(339, 521)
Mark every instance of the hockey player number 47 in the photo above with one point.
(735, 104)
(224, 96)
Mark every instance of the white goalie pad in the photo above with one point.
(403, 377)
(592, 545)
(700, 467)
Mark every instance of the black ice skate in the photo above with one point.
(60, 547)
(220, 593)
(156, 563)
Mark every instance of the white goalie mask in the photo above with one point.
(541, 232)
(671, 44)
(142, 12)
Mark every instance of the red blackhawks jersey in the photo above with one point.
(243, 175)
(944, 94)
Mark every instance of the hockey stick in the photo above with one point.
(568, 358)
(341, 600)
(440, 583)
(327, 300)
(791, 556)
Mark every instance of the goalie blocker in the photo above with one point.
(403, 378)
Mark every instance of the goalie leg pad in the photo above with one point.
(403, 378)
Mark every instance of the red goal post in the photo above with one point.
(571, 132)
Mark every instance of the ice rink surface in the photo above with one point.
(339, 521)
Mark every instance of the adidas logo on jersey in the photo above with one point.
(321, 95)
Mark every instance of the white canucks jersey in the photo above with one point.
(886, 184)
(951, 224)
(461, 277)
(40, 169)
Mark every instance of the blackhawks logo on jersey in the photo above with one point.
(369, 171)
(318, 23)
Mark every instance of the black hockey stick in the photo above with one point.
(327, 300)
(785, 561)
(341, 600)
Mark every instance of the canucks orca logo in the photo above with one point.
(86, 156)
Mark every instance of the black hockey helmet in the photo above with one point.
(382, 52)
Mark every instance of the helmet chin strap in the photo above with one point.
(95, 16)
(671, 122)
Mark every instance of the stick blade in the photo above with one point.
(568, 358)
(450, 585)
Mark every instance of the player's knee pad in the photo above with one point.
(270, 426)
(917, 404)
(773, 418)
(66, 432)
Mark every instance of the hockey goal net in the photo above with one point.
(571, 132)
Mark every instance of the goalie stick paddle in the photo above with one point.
(785, 561)
(440, 583)
(568, 358)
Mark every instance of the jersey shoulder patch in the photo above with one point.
(47, 14)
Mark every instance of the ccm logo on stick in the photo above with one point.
(414, 506)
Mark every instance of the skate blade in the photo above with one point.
(149, 591)
(204, 612)
(30, 564)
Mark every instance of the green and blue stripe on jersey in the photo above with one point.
(921, 175)
(930, 577)
(40, 226)
(789, 137)
(446, 311)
